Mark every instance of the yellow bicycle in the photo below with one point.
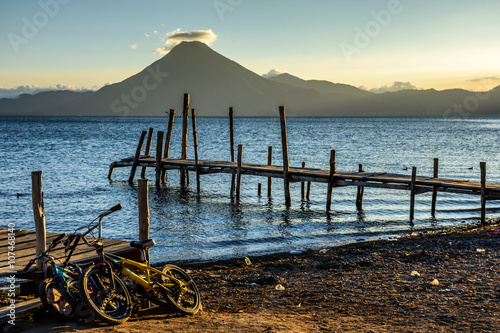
(105, 286)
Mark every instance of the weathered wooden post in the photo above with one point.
(412, 192)
(110, 172)
(231, 142)
(259, 189)
(482, 165)
(434, 190)
(302, 185)
(269, 162)
(333, 161)
(39, 216)
(308, 191)
(148, 150)
(144, 212)
(195, 144)
(185, 116)
(159, 149)
(361, 191)
(284, 147)
(136, 157)
(166, 153)
(238, 173)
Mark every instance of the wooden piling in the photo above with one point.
(269, 162)
(231, 142)
(284, 147)
(143, 190)
(238, 173)
(110, 172)
(302, 185)
(482, 166)
(185, 116)
(195, 144)
(166, 152)
(137, 156)
(159, 149)
(39, 216)
(308, 191)
(330, 180)
(361, 191)
(259, 189)
(434, 191)
(412, 192)
(148, 149)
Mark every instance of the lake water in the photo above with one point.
(74, 155)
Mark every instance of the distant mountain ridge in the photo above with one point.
(217, 83)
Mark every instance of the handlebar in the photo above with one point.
(58, 238)
(73, 239)
(111, 210)
(53, 244)
(29, 265)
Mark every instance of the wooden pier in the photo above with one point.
(332, 177)
(18, 247)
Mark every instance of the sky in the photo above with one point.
(379, 45)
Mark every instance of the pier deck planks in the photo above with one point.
(340, 178)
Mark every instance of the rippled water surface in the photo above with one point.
(74, 155)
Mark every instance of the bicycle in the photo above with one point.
(103, 290)
(55, 298)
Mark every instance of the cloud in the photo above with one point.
(173, 38)
(34, 89)
(488, 78)
(272, 73)
(396, 86)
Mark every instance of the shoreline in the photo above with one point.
(435, 281)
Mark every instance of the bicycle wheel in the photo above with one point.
(71, 291)
(183, 298)
(110, 305)
(54, 301)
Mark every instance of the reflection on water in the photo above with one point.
(74, 155)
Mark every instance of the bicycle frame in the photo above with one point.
(148, 271)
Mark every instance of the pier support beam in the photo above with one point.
(166, 152)
(159, 149)
(284, 147)
(361, 191)
(434, 191)
(148, 150)
(195, 145)
(412, 192)
(333, 161)
(39, 216)
(185, 124)
(231, 142)
(136, 157)
(144, 211)
(303, 185)
(482, 165)
(269, 162)
(238, 173)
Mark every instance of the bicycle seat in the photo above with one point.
(142, 245)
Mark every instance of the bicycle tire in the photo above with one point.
(71, 291)
(183, 299)
(54, 300)
(112, 306)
